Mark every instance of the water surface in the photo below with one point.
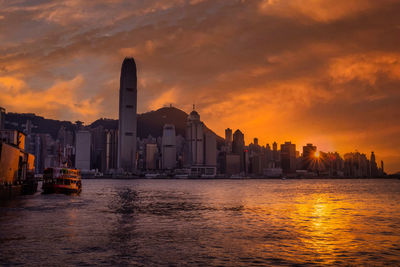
(206, 222)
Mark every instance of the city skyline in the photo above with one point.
(248, 141)
(300, 74)
(95, 149)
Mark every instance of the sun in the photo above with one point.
(317, 154)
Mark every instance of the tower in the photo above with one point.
(169, 147)
(309, 152)
(194, 138)
(238, 147)
(228, 139)
(288, 157)
(127, 116)
(374, 166)
(210, 145)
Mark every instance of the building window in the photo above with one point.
(129, 106)
(129, 134)
(129, 89)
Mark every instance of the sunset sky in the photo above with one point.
(320, 71)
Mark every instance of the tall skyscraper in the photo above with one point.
(210, 154)
(127, 116)
(168, 147)
(228, 139)
(288, 157)
(111, 149)
(82, 150)
(256, 141)
(238, 147)
(309, 161)
(2, 118)
(194, 139)
(374, 165)
(99, 148)
(151, 156)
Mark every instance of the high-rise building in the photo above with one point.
(357, 165)
(232, 164)
(275, 155)
(194, 139)
(255, 141)
(238, 147)
(268, 157)
(374, 166)
(2, 118)
(309, 159)
(127, 116)
(99, 150)
(210, 149)
(288, 157)
(111, 150)
(151, 156)
(82, 150)
(228, 139)
(38, 154)
(168, 147)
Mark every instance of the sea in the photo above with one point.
(242, 222)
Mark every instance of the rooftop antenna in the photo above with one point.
(193, 106)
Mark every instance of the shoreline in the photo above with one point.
(242, 178)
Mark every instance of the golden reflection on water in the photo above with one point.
(324, 224)
(71, 221)
(319, 227)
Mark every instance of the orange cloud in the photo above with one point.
(165, 98)
(63, 96)
(318, 10)
(365, 67)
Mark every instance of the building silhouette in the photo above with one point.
(308, 160)
(288, 157)
(210, 145)
(151, 156)
(168, 147)
(99, 149)
(83, 150)
(111, 149)
(373, 165)
(127, 116)
(238, 148)
(228, 140)
(194, 139)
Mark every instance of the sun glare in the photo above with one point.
(317, 154)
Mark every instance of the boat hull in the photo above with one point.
(62, 189)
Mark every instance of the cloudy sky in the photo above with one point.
(320, 71)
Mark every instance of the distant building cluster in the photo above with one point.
(98, 150)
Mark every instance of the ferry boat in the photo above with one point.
(62, 180)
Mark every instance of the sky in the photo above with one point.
(325, 72)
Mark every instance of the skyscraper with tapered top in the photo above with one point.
(194, 139)
(127, 116)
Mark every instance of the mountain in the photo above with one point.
(152, 123)
(149, 123)
(17, 121)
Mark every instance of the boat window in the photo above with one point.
(67, 181)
